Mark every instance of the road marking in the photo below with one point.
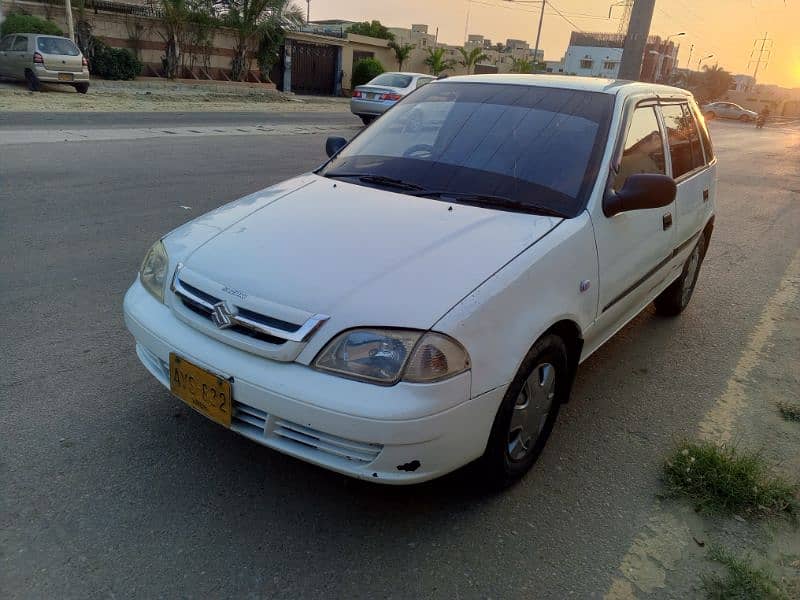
(28, 136)
(665, 537)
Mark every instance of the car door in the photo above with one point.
(5, 55)
(19, 55)
(634, 248)
(689, 168)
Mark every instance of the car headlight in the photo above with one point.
(153, 273)
(387, 355)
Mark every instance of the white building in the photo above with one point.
(742, 83)
(593, 55)
(417, 36)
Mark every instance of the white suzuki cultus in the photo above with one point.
(423, 299)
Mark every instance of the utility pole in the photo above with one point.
(70, 26)
(689, 62)
(538, 35)
(764, 49)
(636, 39)
(308, 11)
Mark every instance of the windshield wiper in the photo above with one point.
(490, 201)
(380, 180)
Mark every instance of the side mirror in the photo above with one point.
(333, 145)
(643, 190)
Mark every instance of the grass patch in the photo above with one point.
(742, 580)
(720, 478)
(789, 410)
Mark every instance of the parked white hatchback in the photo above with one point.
(423, 299)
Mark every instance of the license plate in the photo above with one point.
(370, 96)
(205, 392)
(65, 76)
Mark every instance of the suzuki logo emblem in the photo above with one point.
(222, 316)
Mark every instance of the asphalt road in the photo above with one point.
(111, 488)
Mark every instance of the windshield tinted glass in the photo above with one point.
(534, 145)
(392, 80)
(56, 45)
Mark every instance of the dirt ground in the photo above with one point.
(139, 96)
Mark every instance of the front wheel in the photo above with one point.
(527, 414)
(367, 119)
(744, 119)
(673, 300)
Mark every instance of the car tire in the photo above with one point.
(367, 119)
(520, 429)
(34, 84)
(744, 119)
(710, 115)
(673, 300)
(81, 88)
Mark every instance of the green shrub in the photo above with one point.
(19, 23)
(113, 63)
(366, 70)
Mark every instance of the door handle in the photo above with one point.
(666, 220)
(705, 195)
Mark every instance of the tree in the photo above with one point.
(401, 52)
(365, 71)
(471, 58)
(175, 14)
(251, 21)
(521, 65)
(436, 61)
(373, 29)
(712, 83)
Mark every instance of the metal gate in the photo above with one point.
(314, 68)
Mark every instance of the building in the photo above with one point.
(417, 36)
(743, 83)
(599, 55)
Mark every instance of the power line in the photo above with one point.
(560, 14)
(764, 49)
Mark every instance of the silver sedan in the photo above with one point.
(728, 110)
(372, 99)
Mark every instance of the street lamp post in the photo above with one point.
(663, 54)
(702, 59)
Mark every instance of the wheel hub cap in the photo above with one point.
(531, 410)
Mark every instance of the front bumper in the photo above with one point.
(51, 76)
(360, 106)
(396, 435)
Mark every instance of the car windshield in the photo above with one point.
(532, 146)
(57, 45)
(392, 80)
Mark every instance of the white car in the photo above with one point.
(371, 100)
(423, 299)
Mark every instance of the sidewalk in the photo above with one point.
(148, 95)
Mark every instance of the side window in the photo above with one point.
(701, 125)
(422, 81)
(20, 44)
(680, 131)
(644, 147)
(698, 160)
(5, 43)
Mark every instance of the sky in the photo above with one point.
(725, 28)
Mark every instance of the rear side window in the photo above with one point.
(56, 45)
(20, 44)
(704, 137)
(644, 147)
(684, 139)
(5, 43)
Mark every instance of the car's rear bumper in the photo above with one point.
(52, 76)
(292, 408)
(359, 106)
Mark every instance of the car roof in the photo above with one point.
(570, 82)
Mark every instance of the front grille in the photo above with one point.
(257, 424)
(248, 323)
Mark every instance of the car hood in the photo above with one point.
(362, 255)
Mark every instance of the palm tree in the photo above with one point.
(713, 82)
(174, 19)
(401, 52)
(436, 61)
(251, 20)
(521, 65)
(471, 58)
